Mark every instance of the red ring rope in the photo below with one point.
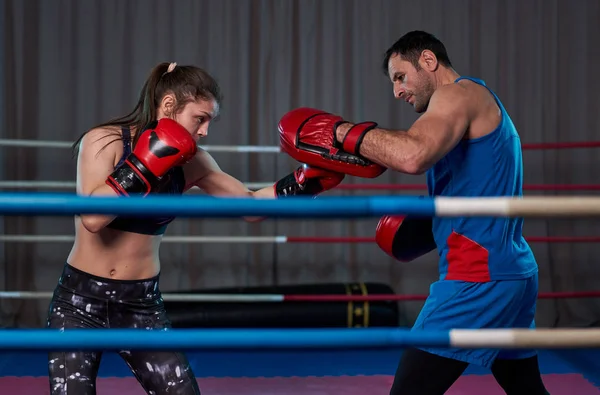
(315, 239)
(419, 187)
(581, 144)
(393, 297)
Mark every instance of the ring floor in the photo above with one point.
(302, 372)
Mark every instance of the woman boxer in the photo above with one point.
(111, 276)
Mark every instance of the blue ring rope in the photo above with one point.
(222, 207)
(190, 339)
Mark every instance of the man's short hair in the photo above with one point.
(412, 44)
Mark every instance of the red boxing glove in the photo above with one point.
(161, 146)
(308, 135)
(307, 180)
(405, 238)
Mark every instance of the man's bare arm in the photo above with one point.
(428, 140)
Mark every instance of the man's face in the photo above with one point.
(409, 84)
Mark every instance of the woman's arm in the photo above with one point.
(97, 154)
(208, 176)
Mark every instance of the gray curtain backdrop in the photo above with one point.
(68, 64)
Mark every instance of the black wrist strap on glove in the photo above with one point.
(289, 186)
(342, 154)
(132, 178)
(356, 134)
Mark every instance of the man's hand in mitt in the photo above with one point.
(308, 135)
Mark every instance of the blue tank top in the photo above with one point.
(148, 225)
(478, 249)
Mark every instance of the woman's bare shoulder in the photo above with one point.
(105, 140)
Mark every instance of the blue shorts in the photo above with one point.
(466, 305)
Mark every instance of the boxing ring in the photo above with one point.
(295, 361)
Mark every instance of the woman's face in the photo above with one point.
(195, 116)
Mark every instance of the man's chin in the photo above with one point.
(419, 109)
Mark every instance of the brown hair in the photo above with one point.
(411, 45)
(187, 83)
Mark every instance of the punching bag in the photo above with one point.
(287, 314)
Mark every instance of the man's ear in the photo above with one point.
(428, 60)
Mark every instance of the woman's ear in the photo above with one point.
(167, 105)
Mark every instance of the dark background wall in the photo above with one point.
(70, 64)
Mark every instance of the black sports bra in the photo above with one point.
(148, 225)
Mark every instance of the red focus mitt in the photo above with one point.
(405, 238)
(308, 135)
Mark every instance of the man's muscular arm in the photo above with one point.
(432, 136)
